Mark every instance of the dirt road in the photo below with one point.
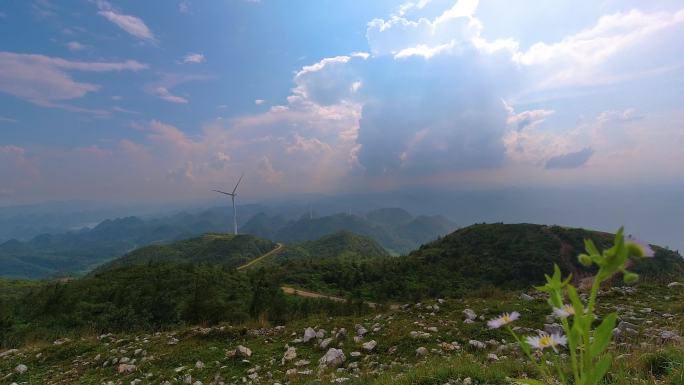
(259, 259)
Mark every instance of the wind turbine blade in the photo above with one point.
(219, 191)
(238, 183)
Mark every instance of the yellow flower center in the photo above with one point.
(545, 341)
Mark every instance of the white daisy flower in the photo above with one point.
(564, 311)
(502, 320)
(545, 340)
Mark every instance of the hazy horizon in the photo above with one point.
(651, 213)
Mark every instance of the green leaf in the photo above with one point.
(528, 381)
(602, 335)
(599, 370)
(576, 304)
(591, 247)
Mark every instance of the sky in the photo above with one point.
(167, 100)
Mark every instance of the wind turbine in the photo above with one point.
(232, 198)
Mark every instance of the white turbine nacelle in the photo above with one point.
(232, 198)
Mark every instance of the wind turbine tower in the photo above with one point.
(232, 198)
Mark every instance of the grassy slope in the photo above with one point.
(642, 359)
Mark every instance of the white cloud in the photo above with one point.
(425, 37)
(184, 6)
(44, 80)
(194, 58)
(526, 119)
(75, 46)
(423, 50)
(577, 60)
(162, 87)
(131, 24)
(259, 102)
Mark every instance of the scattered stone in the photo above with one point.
(333, 358)
(290, 354)
(667, 335)
(624, 325)
(325, 343)
(419, 334)
(467, 381)
(421, 352)
(526, 297)
(291, 372)
(8, 352)
(61, 341)
(369, 346)
(554, 328)
(21, 369)
(469, 314)
(243, 351)
(675, 284)
(360, 330)
(492, 357)
(301, 363)
(199, 365)
(126, 368)
(477, 344)
(341, 334)
(309, 334)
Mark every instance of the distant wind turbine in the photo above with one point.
(232, 197)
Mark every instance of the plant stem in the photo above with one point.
(573, 353)
(527, 352)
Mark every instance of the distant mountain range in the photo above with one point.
(77, 252)
(395, 229)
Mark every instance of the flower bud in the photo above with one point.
(630, 277)
(585, 260)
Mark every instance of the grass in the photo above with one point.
(394, 361)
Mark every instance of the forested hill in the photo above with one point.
(510, 256)
(217, 249)
(341, 245)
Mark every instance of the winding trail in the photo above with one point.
(299, 292)
(310, 294)
(261, 258)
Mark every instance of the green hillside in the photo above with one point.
(343, 244)
(217, 249)
(512, 256)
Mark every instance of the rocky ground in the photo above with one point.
(443, 341)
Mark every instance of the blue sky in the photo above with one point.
(133, 100)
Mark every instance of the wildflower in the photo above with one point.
(564, 311)
(502, 320)
(545, 340)
(639, 248)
